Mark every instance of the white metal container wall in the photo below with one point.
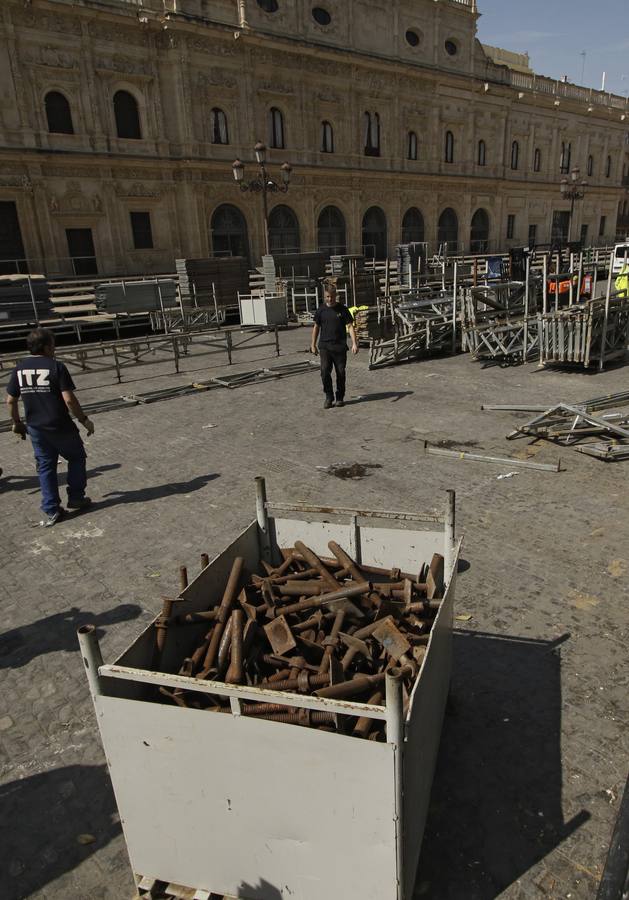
(248, 807)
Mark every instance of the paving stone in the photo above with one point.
(538, 719)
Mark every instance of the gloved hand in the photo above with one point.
(19, 428)
(89, 426)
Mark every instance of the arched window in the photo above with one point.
(413, 226)
(566, 154)
(331, 234)
(374, 233)
(372, 134)
(482, 154)
(537, 160)
(479, 232)
(327, 138)
(283, 230)
(449, 147)
(276, 128)
(515, 155)
(590, 165)
(448, 229)
(58, 113)
(608, 167)
(127, 116)
(220, 135)
(229, 232)
(412, 145)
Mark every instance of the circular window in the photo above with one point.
(321, 16)
(269, 6)
(451, 48)
(412, 38)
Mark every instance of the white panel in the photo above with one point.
(423, 730)
(314, 534)
(204, 592)
(217, 802)
(404, 549)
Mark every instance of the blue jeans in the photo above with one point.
(48, 447)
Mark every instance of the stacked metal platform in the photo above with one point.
(214, 281)
(24, 298)
(350, 276)
(586, 332)
(500, 322)
(136, 296)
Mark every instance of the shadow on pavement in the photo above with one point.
(43, 816)
(10, 482)
(262, 891)
(496, 806)
(143, 495)
(394, 396)
(57, 632)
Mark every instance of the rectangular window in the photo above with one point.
(584, 235)
(601, 227)
(141, 228)
(510, 227)
(532, 235)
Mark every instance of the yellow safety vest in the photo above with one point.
(622, 282)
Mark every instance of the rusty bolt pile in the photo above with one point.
(327, 627)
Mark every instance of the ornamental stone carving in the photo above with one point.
(137, 189)
(75, 202)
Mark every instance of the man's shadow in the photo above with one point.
(31, 482)
(393, 396)
(143, 495)
(57, 632)
(44, 815)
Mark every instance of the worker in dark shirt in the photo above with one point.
(332, 321)
(47, 390)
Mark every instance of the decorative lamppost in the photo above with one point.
(262, 183)
(572, 189)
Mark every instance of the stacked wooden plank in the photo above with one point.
(16, 300)
(202, 282)
(136, 296)
(349, 274)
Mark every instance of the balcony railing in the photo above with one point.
(549, 86)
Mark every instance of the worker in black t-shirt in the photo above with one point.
(331, 323)
(47, 390)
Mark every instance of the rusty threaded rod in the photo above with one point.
(363, 726)
(183, 578)
(205, 561)
(235, 673)
(227, 602)
(323, 599)
(314, 562)
(346, 561)
(306, 682)
(350, 688)
(333, 638)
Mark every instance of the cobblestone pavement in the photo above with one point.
(533, 756)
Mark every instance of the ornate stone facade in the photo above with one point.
(413, 65)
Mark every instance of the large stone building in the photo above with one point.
(120, 120)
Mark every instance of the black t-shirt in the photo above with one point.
(332, 321)
(39, 380)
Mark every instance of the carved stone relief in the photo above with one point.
(74, 202)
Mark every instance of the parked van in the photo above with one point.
(621, 254)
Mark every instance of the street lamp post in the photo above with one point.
(262, 184)
(572, 189)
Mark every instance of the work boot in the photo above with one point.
(328, 403)
(83, 503)
(340, 403)
(53, 518)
